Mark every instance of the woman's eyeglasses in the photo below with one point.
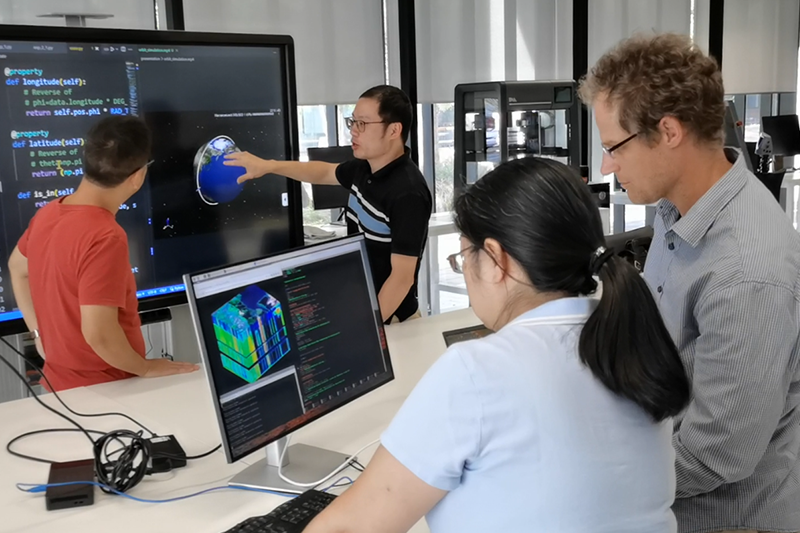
(456, 261)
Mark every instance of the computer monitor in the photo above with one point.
(200, 93)
(285, 340)
(330, 196)
(785, 133)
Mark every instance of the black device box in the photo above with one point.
(69, 496)
(166, 454)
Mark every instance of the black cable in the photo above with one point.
(84, 415)
(36, 397)
(357, 466)
(150, 341)
(121, 474)
(193, 457)
(128, 470)
(134, 459)
(39, 432)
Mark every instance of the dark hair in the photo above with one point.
(116, 147)
(543, 216)
(393, 106)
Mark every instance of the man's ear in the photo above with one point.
(395, 130)
(672, 130)
(136, 179)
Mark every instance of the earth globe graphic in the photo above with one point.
(216, 182)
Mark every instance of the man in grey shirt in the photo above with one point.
(724, 267)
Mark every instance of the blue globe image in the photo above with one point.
(216, 182)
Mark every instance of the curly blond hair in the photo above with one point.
(648, 77)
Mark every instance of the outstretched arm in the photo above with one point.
(316, 172)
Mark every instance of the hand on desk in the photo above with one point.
(156, 368)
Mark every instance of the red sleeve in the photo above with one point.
(22, 244)
(103, 273)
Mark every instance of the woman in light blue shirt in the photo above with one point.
(559, 421)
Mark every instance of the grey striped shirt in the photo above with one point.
(727, 280)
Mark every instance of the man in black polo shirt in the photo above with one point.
(389, 199)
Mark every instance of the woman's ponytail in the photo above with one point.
(627, 346)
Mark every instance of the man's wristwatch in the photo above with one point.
(34, 334)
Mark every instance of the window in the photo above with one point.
(443, 156)
(343, 112)
(313, 128)
(752, 117)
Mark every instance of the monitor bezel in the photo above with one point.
(215, 397)
(188, 38)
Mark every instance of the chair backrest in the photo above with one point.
(632, 245)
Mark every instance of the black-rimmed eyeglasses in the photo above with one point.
(610, 151)
(359, 125)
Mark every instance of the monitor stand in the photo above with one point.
(301, 463)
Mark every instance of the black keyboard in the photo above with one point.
(289, 517)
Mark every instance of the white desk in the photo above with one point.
(181, 405)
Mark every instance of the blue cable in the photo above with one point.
(34, 488)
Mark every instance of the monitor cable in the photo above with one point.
(347, 462)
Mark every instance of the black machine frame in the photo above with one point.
(512, 96)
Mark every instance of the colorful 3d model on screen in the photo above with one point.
(251, 333)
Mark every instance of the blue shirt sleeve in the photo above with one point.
(437, 432)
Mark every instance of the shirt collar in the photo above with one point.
(578, 308)
(695, 224)
(393, 164)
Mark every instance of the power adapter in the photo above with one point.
(165, 454)
(72, 485)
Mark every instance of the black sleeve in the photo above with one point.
(346, 172)
(409, 217)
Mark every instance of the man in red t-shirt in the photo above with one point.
(71, 272)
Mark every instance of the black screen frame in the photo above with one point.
(159, 37)
(330, 196)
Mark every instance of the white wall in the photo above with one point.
(463, 41)
(759, 47)
(338, 44)
(134, 14)
(544, 40)
(611, 21)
